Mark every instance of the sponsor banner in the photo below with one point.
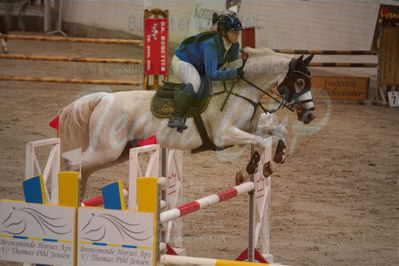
(340, 88)
(113, 237)
(203, 11)
(155, 46)
(36, 233)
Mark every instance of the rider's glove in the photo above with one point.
(240, 72)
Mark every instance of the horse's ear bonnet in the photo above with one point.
(308, 59)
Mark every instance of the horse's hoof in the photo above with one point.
(240, 178)
(251, 169)
(267, 170)
(253, 163)
(279, 156)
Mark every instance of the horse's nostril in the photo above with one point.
(311, 116)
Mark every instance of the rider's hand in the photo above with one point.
(240, 72)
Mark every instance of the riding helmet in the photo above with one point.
(229, 22)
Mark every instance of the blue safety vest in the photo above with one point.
(207, 53)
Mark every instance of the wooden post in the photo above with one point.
(388, 71)
(156, 13)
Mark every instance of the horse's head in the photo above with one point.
(295, 89)
(14, 222)
(94, 229)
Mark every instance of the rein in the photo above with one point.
(282, 103)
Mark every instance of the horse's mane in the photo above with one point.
(258, 51)
(264, 62)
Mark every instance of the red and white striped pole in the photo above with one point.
(97, 201)
(207, 201)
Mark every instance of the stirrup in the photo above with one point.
(178, 123)
(182, 127)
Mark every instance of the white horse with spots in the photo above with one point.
(102, 124)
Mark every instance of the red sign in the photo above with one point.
(155, 46)
(248, 37)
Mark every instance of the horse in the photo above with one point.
(102, 124)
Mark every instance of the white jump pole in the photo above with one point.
(194, 261)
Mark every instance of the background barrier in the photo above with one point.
(156, 13)
(333, 52)
(326, 52)
(77, 81)
(71, 59)
(69, 39)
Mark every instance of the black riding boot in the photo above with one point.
(184, 99)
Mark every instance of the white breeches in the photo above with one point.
(186, 72)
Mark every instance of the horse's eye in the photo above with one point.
(299, 85)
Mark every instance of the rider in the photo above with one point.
(203, 54)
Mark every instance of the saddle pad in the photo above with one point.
(163, 104)
(164, 107)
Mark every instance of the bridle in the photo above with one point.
(289, 94)
(286, 91)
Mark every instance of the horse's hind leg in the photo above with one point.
(93, 161)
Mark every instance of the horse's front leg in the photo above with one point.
(279, 131)
(275, 130)
(236, 136)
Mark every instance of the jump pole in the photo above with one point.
(260, 188)
(195, 261)
(205, 202)
(97, 201)
(327, 52)
(69, 39)
(333, 52)
(70, 59)
(76, 81)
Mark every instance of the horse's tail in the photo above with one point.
(74, 121)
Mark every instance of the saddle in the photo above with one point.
(163, 104)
